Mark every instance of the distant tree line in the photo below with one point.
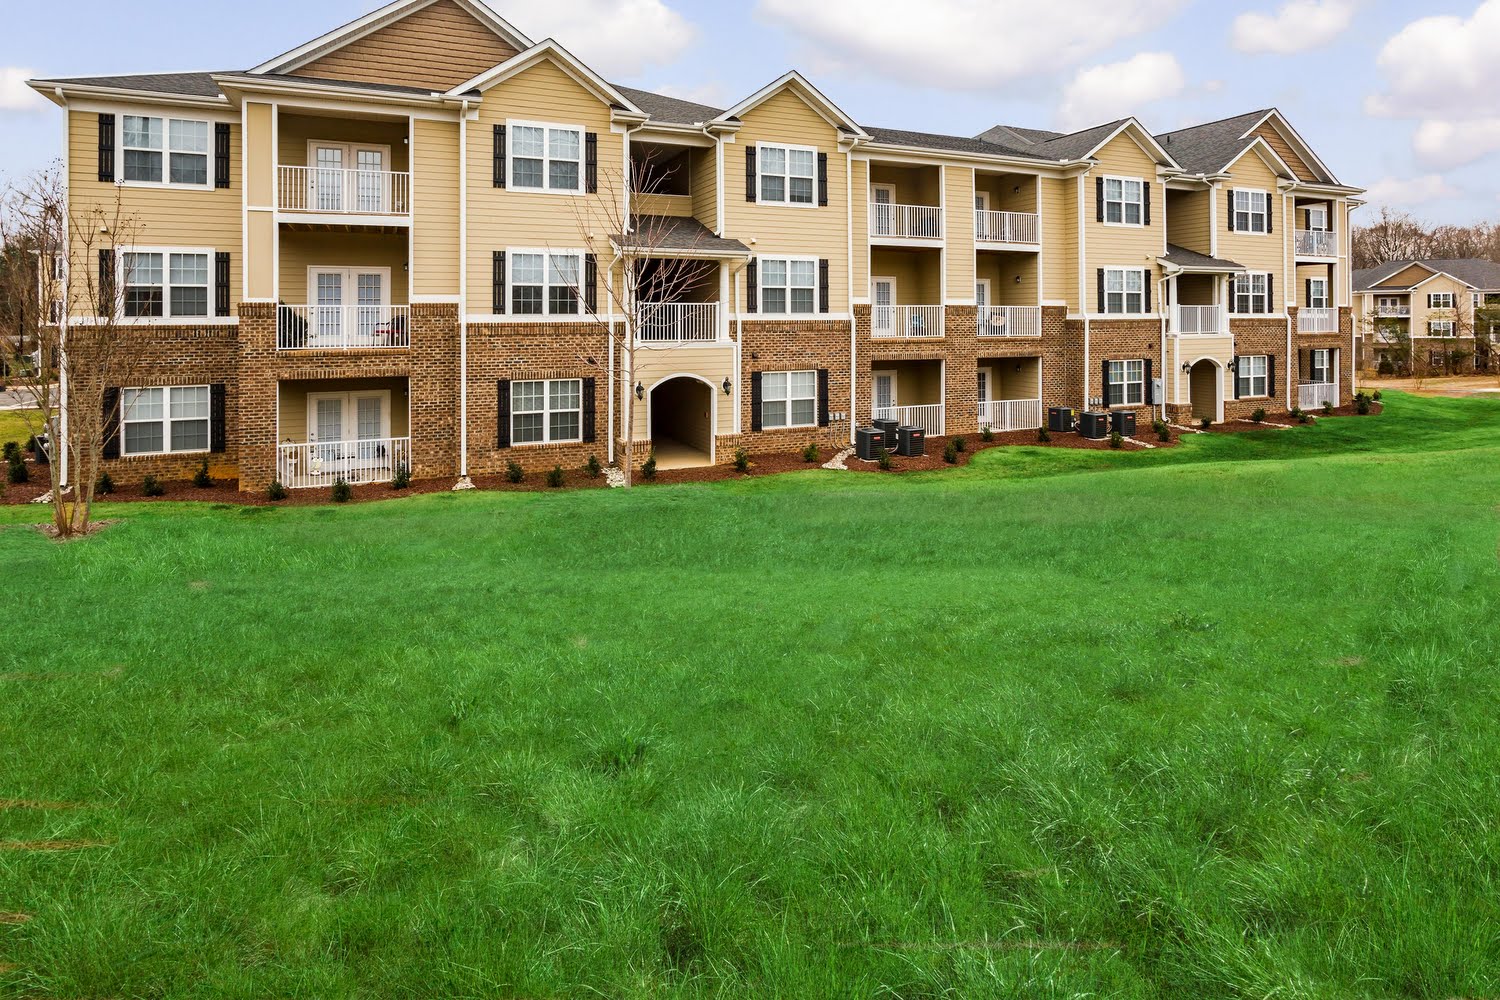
(1401, 236)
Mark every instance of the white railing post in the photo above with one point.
(1317, 320)
(1006, 227)
(321, 464)
(1002, 415)
(1009, 321)
(928, 416)
(913, 222)
(342, 328)
(679, 322)
(336, 191)
(896, 322)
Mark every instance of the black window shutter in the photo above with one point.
(1309, 291)
(823, 181)
(502, 413)
(1100, 276)
(1146, 287)
(216, 408)
(221, 155)
(107, 148)
(221, 284)
(1149, 389)
(591, 282)
(591, 162)
(750, 181)
(1234, 283)
(499, 156)
(1239, 366)
(1146, 202)
(106, 303)
(1231, 209)
(823, 285)
(112, 422)
(1103, 386)
(1270, 293)
(1099, 198)
(590, 410)
(1270, 375)
(823, 397)
(1270, 216)
(497, 282)
(752, 286)
(755, 401)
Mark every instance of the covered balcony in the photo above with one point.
(1010, 394)
(354, 430)
(343, 294)
(345, 170)
(909, 392)
(1007, 291)
(1316, 236)
(1006, 208)
(905, 204)
(906, 294)
(1199, 289)
(673, 180)
(681, 303)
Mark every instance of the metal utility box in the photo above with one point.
(1123, 422)
(869, 442)
(911, 442)
(1062, 419)
(1094, 426)
(890, 429)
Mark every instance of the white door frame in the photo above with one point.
(351, 282)
(349, 160)
(350, 431)
(875, 377)
(875, 301)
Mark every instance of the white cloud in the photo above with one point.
(1443, 145)
(614, 37)
(14, 94)
(963, 44)
(712, 94)
(1296, 27)
(1442, 68)
(1410, 192)
(1117, 90)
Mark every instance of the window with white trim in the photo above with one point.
(788, 285)
(545, 157)
(164, 151)
(1124, 290)
(1440, 328)
(1124, 201)
(1317, 293)
(789, 399)
(1252, 211)
(164, 284)
(1252, 293)
(1319, 367)
(544, 283)
(1251, 372)
(1439, 300)
(1317, 218)
(546, 412)
(164, 420)
(788, 174)
(1127, 383)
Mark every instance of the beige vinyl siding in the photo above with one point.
(859, 174)
(260, 197)
(291, 417)
(711, 363)
(1002, 270)
(295, 131)
(918, 275)
(1178, 383)
(435, 256)
(958, 183)
(1009, 192)
(1284, 150)
(1258, 252)
(1190, 220)
(1421, 314)
(503, 218)
(1305, 272)
(918, 383)
(703, 165)
(1117, 245)
(1060, 240)
(1013, 384)
(158, 216)
(1406, 277)
(299, 251)
(778, 230)
(680, 206)
(912, 185)
(439, 47)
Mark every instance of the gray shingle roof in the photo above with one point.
(1209, 148)
(1183, 257)
(1481, 274)
(672, 234)
(951, 143)
(670, 109)
(175, 84)
(1076, 145)
(1368, 277)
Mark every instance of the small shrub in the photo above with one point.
(1205, 422)
(12, 451)
(1301, 415)
(275, 492)
(1043, 435)
(514, 473)
(1362, 406)
(16, 471)
(1385, 367)
(201, 478)
(648, 470)
(741, 460)
(1327, 408)
(342, 491)
(555, 477)
(105, 485)
(1259, 416)
(810, 454)
(402, 479)
(593, 468)
(987, 434)
(1376, 396)
(1163, 431)
(152, 487)
(950, 453)
(884, 461)
(1116, 440)
(961, 444)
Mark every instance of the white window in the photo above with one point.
(164, 151)
(159, 421)
(1252, 211)
(1317, 219)
(1124, 290)
(544, 283)
(1127, 383)
(545, 157)
(1390, 306)
(1440, 328)
(788, 286)
(789, 399)
(165, 284)
(788, 174)
(1251, 293)
(546, 412)
(1251, 372)
(1319, 367)
(1124, 201)
(1317, 293)
(1440, 300)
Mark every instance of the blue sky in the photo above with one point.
(1402, 100)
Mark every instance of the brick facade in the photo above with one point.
(793, 345)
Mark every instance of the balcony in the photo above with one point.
(1198, 321)
(380, 194)
(914, 322)
(928, 416)
(905, 222)
(1393, 311)
(1007, 227)
(666, 323)
(1317, 321)
(1312, 396)
(1009, 321)
(1316, 243)
(321, 464)
(342, 328)
(1002, 415)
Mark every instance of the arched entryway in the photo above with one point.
(682, 422)
(1205, 387)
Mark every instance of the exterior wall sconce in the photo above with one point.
(728, 387)
(1233, 366)
(640, 391)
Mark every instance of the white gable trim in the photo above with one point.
(374, 21)
(1442, 274)
(565, 60)
(1260, 146)
(1138, 132)
(1294, 139)
(830, 112)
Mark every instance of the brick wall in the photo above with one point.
(1125, 340)
(1260, 336)
(792, 345)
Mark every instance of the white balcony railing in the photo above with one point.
(1007, 227)
(1010, 414)
(922, 322)
(1317, 321)
(678, 323)
(1197, 320)
(1313, 396)
(343, 192)
(1009, 321)
(906, 222)
(1392, 312)
(342, 328)
(374, 460)
(929, 417)
(1317, 243)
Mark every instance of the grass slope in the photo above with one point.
(1225, 724)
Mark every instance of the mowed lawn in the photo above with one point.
(1221, 721)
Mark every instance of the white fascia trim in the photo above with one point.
(815, 98)
(567, 61)
(1151, 147)
(350, 93)
(76, 95)
(1274, 161)
(374, 21)
(887, 152)
(1290, 133)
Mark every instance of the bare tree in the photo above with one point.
(75, 327)
(1394, 236)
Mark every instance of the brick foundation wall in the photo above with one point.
(1259, 336)
(1125, 340)
(792, 345)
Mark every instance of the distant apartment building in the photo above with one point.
(1435, 313)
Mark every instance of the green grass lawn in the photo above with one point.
(1219, 721)
(13, 427)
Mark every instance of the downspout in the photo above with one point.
(849, 297)
(1167, 308)
(739, 346)
(464, 483)
(60, 446)
(609, 286)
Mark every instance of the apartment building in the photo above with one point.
(1428, 311)
(408, 241)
